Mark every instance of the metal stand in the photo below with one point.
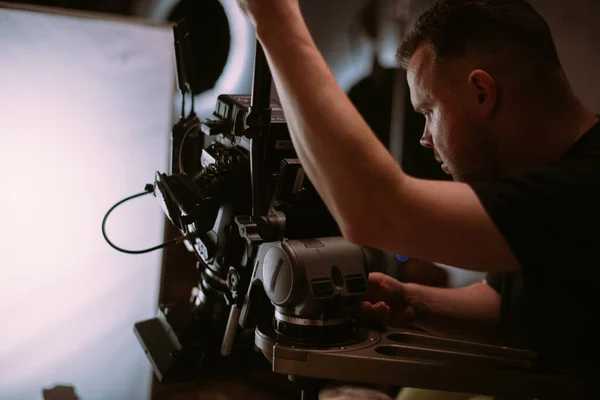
(406, 358)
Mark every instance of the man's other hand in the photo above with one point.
(385, 302)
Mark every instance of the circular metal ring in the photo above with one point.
(310, 322)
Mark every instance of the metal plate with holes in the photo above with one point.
(407, 358)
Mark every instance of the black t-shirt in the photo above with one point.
(550, 218)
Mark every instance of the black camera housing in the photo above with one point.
(214, 204)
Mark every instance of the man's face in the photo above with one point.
(454, 128)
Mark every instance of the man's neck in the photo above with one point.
(544, 138)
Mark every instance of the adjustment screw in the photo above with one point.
(233, 279)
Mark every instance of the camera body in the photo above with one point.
(286, 269)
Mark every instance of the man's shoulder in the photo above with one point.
(588, 145)
(576, 173)
(549, 215)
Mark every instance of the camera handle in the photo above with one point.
(258, 123)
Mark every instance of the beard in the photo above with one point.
(484, 173)
(478, 162)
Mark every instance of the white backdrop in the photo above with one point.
(85, 115)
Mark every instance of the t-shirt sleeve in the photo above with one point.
(549, 218)
(494, 281)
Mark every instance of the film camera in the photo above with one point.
(277, 276)
(272, 260)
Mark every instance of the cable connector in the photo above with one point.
(187, 236)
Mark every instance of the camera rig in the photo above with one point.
(276, 275)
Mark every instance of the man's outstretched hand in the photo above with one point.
(386, 302)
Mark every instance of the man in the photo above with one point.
(524, 153)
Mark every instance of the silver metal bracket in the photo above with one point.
(408, 358)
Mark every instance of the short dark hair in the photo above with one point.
(455, 28)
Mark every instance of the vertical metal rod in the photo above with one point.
(230, 330)
(261, 84)
(259, 123)
(309, 394)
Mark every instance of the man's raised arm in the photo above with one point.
(374, 202)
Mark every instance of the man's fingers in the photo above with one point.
(376, 291)
(373, 314)
(381, 311)
(364, 313)
(402, 318)
(382, 287)
(380, 314)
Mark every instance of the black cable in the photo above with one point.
(190, 116)
(187, 132)
(182, 105)
(148, 190)
(192, 111)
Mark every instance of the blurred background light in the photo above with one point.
(207, 18)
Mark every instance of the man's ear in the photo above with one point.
(486, 90)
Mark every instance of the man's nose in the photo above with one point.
(426, 140)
